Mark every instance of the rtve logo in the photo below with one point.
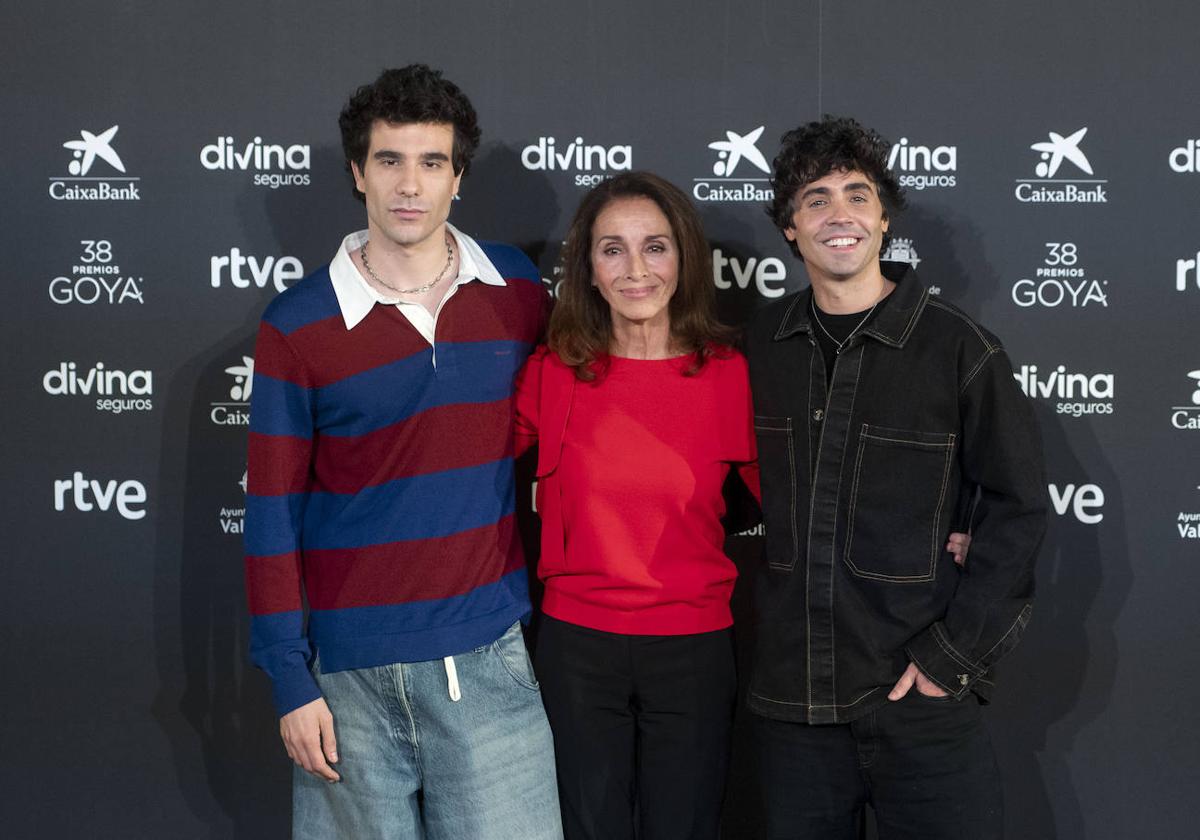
(1185, 267)
(278, 271)
(768, 275)
(1084, 501)
(88, 495)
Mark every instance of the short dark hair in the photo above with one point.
(812, 151)
(412, 94)
(581, 324)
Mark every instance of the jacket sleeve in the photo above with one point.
(278, 467)
(742, 490)
(527, 402)
(1001, 456)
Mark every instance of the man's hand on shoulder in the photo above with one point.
(307, 734)
(912, 676)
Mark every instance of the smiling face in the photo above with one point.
(635, 262)
(838, 222)
(408, 181)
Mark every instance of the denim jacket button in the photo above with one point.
(818, 414)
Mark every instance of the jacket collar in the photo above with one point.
(892, 326)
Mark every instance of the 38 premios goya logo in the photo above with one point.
(97, 279)
(1060, 282)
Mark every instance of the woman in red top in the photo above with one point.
(641, 409)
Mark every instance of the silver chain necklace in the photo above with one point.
(419, 289)
(838, 345)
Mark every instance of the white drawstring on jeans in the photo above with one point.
(452, 679)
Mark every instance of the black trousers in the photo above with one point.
(641, 730)
(924, 764)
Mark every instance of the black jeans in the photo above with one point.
(924, 764)
(641, 730)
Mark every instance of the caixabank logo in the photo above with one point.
(919, 167)
(1055, 184)
(1061, 281)
(271, 165)
(97, 279)
(588, 163)
(740, 173)
(1187, 416)
(242, 271)
(1071, 393)
(113, 390)
(234, 410)
(94, 160)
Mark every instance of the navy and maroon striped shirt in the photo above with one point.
(380, 485)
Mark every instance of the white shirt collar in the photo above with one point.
(356, 296)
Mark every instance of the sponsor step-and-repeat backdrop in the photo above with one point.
(173, 169)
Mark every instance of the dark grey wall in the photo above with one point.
(130, 710)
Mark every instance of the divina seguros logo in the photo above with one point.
(1048, 189)
(725, 184)
(115, 390)
(591, 162)
(96, 278)
(81, 184)
(1060, 281)
(273, 165)
(923, 167)
(1074, 394)
(1185, 158)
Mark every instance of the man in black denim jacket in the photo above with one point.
(885, 418)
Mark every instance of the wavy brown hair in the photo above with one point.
(581, 325)
(813, 150)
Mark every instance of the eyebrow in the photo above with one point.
(618, 238)
(851, 187)
(388, 154)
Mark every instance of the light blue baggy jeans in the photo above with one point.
(416, 763)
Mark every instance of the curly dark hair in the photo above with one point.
(412, 94)
(580, 329)
(812, 151)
